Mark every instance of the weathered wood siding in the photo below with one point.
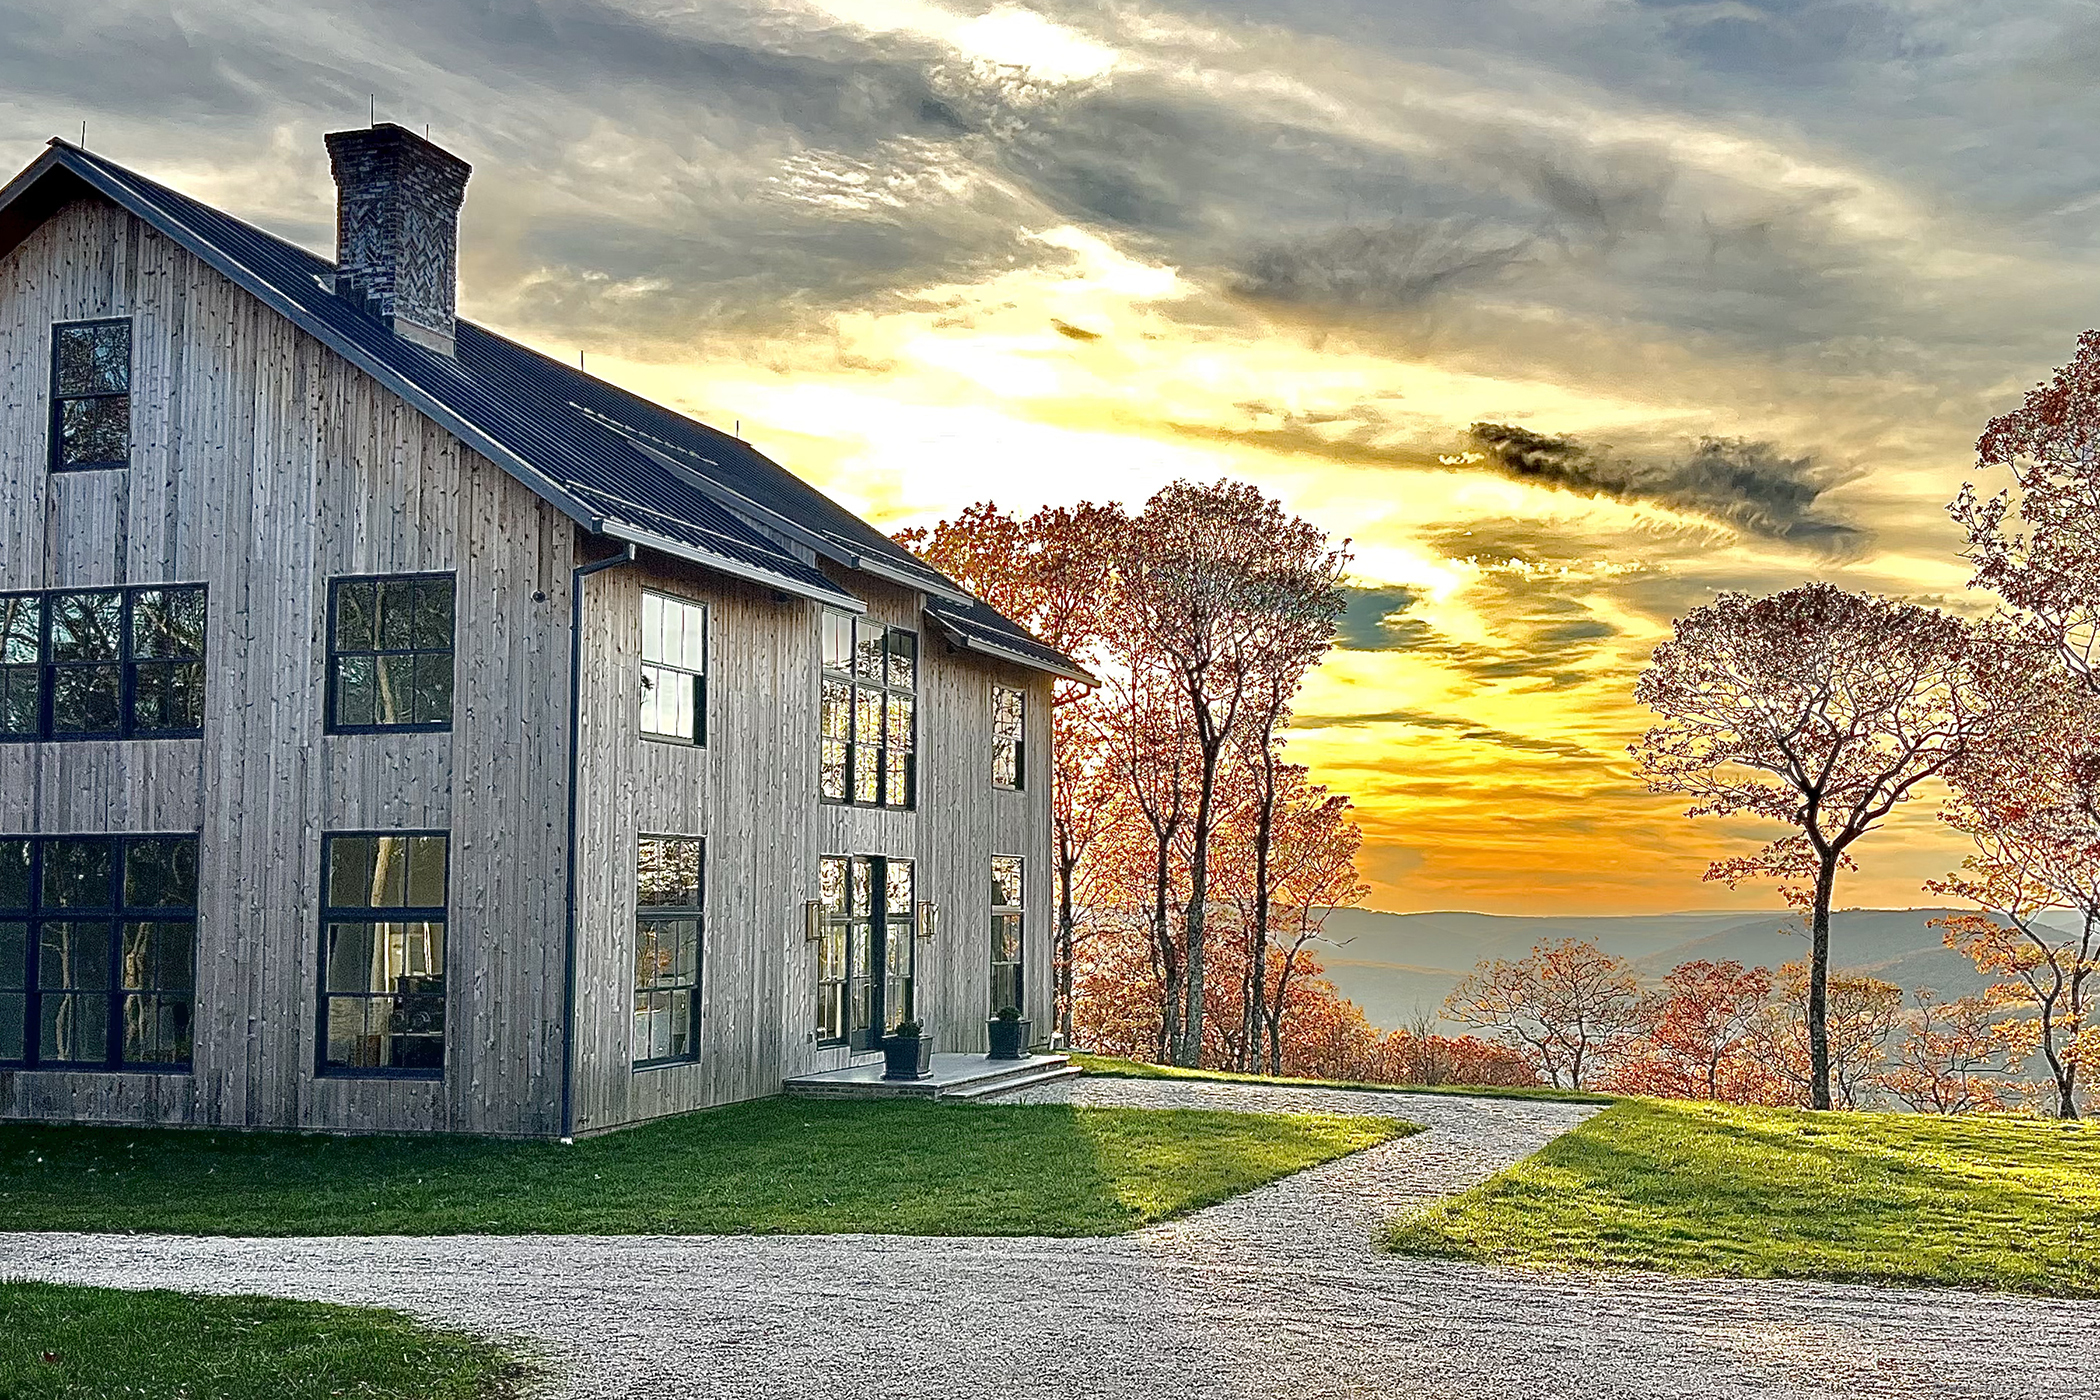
(263, 466)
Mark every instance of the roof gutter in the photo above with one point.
(722, 564)
(966, 642)
(568, 951)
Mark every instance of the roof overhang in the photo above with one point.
(964, 640)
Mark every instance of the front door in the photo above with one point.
(869, 906)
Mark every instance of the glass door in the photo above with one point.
(868, 953)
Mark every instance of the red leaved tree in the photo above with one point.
(1568, 1007)
(1696, 1039)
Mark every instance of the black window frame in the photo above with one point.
(121, 916)
(1017, 911)
(1018, 739)
(127, 663)
(332, 676)
(697, 678)
(333, 914)
(889, 759)
(56, 452)
(883, 929)
(696, 914)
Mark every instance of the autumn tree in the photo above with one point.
(1861, 1014)
(1696, 1036)
(1569, 1007)
(1957, 1056)
(1820, 710)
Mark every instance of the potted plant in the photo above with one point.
(1009, 1034)
(907, 1052)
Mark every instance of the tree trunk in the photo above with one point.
(1163, 944)
(1258, 936)
(1819, 985)
(1067, 930)
(1190, 1051)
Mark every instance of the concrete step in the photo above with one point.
(954, 1075)
(982, 1089)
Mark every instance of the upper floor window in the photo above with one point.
(90, 395)
(98, 951)
(102, 663)
(669, 911)
(390, 653)
(383, 953)
(674, 668)
(871, 675)
(1009, 736)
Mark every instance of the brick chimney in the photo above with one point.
(397, 229)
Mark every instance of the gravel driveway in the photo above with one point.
(1274, 1294)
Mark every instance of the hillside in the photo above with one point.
(1394, 965)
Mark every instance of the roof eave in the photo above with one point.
(968, 642)
(721, 564)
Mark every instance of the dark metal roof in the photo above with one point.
(619, 465)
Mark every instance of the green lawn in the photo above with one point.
(1783, 1193)
(1116, 1068)
(74, 1343)
(773, 1166)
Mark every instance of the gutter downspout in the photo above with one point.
(568, 998)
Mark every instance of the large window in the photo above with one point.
(390, 654)
(670, 903)
(865, 954)
(1009, 736)
(98, 951)
(674, 669)
(870, 679)
(90, 395)
(1006, 933)
(383, 954)
(102, 663)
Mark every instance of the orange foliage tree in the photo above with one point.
(1958, 1056)
(1696, 1038)
(1567, 1007)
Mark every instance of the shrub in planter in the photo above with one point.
(907, 1053)
(1009, 1034)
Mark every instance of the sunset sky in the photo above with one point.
(1769, 265)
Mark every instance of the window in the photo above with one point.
(1009, 736)
(670, 899)
(870, 676)
(1006, 933)
(98, 951)
(390, 654)
(102, 663)
(90, 396)
(674, 669)
(865, 952)
(383, 954)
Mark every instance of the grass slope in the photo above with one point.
(1778, 1193)
(68, 1343)
(1114, 1068)
(773, 1166)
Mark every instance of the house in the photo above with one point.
(401, 730)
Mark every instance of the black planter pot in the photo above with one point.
(1009, 1039)
(907, 1059)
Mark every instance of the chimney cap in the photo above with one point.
(391, 138)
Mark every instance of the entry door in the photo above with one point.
(879, 948)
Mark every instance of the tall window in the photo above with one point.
(1009, 736)
(390, 654)
(383, 954)
(90, 395)
(670, 902)
(1006, 933)
(870, 681)
(98, 951)
(674, 669)
(102, 663)
(865, 957)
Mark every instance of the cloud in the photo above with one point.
(1398, 265)
(1748, 485)
(1372, 620)
(1466, 729)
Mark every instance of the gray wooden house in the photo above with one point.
(402, 730)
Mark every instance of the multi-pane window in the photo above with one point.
(670, 899)
(1006, 933)
(98, 951)
(1009, 736)
(383, 954)
(90, 395)
(870, 680)
(674, 668)
(865, 953)
(390, 653)
(102, 663)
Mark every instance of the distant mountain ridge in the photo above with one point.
(1394, 965)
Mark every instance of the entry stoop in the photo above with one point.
(965, 1077)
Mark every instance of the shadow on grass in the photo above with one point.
(771, 1166)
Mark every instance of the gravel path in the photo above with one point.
(1275, 1294)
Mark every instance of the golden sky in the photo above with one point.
(1768, 266)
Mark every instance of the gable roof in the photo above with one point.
(616, 463)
